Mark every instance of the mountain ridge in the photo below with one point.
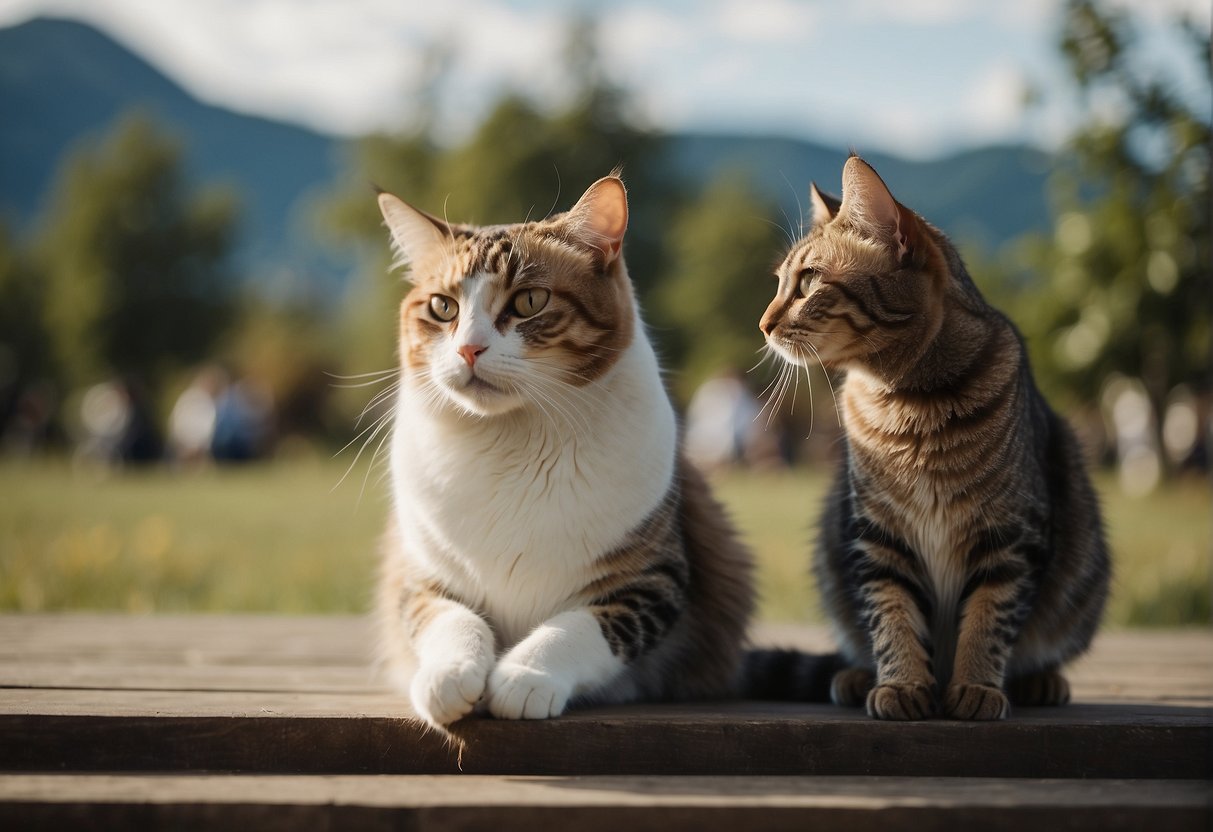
(62, 80)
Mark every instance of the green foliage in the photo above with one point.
(1129, 259)
(135, 266)
(23, 340)
(718, 282)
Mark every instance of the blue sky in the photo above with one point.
(916, 77)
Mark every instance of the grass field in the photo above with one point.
(281, 538)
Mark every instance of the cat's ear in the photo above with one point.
(600, 217)
(868, 204)
(415, 234)
(825, 206)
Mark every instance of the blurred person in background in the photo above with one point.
(723, 426)
(191, 424)
(116, 417)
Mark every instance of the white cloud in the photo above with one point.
(1160, 11)
(993, 105)
(764, 21)
(918, 12)
(653, 51)
(914, 77)
(635, 33)
(339, 67)
(1028, 14)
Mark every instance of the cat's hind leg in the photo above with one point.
(1041, 688)
(850, 686)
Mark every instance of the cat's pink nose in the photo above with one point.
(768, 322)
(471, 352)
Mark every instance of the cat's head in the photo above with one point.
(864, 282)
(500, 317)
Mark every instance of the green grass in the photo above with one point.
(281, 538)
(263, 538)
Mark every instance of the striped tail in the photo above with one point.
(789, 675)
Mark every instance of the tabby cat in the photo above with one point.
(961, 554)
(549, 544)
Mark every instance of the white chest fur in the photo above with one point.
(511, 511)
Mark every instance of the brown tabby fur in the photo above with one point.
(961, 553)
(590, 320)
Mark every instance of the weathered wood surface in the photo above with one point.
(295, 695)
(332, 654)
(853, 804)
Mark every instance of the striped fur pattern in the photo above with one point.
(548, 543)
(961, 553)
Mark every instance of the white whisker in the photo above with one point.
(388, 372)
(377, 426)
(799, 207)
(829, 383)
(378, 399)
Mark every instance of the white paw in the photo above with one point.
(445, 692)
(520, 692)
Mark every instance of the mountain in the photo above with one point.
(61, 81)
(985, 196)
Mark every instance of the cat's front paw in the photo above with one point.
(975, 702)
(442, 693)
(517, 691)
(901, 701)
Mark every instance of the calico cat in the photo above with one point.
(548, 544)
(961, 554)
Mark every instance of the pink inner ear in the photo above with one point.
(866, 197)
(611, 213)
(603, 212)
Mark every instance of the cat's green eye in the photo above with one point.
(529, 302)
(806, 282)
(443, 308)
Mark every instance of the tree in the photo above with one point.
(24, 352)
(136, 266)
(1130, 255)
(718, 281)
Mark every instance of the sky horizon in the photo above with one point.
(919, 79)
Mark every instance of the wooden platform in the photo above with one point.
(195, 722)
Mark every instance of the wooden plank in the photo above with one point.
(175, 640)
(1144, 683)
(220, 732)
(331, 653)
(440, 803)
(854, 804)
(83, 674)
(266, 694)
(188, 704)
(344, 640)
